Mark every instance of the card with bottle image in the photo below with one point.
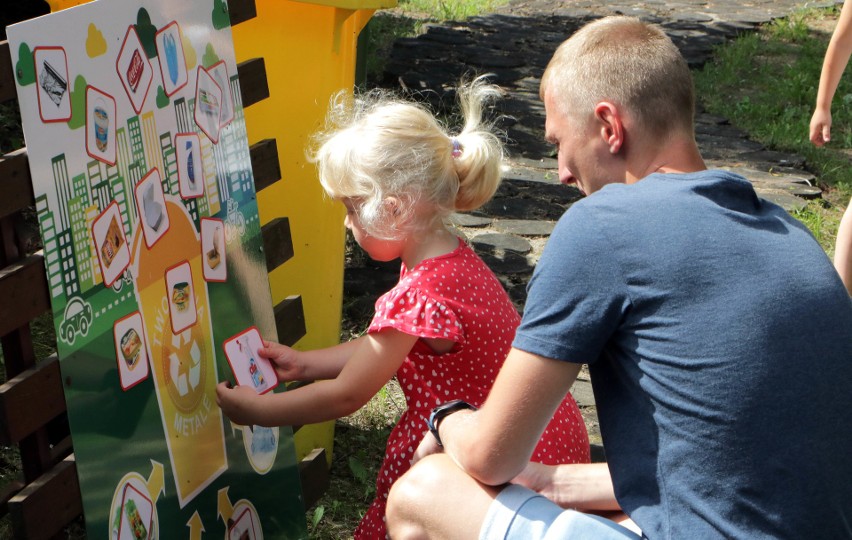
(249, 368)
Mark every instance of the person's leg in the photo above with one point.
(843, 249)
(435, 499)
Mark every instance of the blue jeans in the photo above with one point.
(518, 513)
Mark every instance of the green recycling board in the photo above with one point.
(153, 251)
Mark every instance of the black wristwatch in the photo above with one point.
(443, 410)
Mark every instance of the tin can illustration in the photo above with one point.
(131, 346)
(101, 119)
(134, 70)
(183, 365)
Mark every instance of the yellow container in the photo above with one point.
(309, 49)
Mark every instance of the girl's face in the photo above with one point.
(378, 250)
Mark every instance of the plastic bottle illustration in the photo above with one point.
(254, 370)
(190, 165)
(171, 56)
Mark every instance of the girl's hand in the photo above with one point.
(285, 361)
(241, 404)
(820, 127)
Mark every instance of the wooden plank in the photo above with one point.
(264, 163)
(15, 182)
(30, 400)
(277, 243)
(7, 83)
(290, 320)
(48, 504)
(9, 490)
(23, 288)
(253, 84)
(241, 10)
(314, 474)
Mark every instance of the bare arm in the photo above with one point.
(836, 58)
(495, 444)
(843, 248)
(293, 365)
(580, 486)
(372, 364)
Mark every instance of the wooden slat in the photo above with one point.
(15, 184)
(290, 320)
(7, 83)
(253, 84)
(277, 243)
(241, 10)
(47, 505)
(313, 471)
(30, 400)
(9, 490)
(23, 290)
(264, 163)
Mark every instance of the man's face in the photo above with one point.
(583, 156)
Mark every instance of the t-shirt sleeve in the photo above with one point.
(413, 311)
(576, 296)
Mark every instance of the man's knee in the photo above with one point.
(411, 496)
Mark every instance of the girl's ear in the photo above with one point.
(392, 205)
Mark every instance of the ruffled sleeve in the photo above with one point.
(415, 312)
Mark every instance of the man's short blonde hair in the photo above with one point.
(630, 63)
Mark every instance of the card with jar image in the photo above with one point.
(249, 368)
(100, 125)
(181, 297)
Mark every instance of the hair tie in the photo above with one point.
(457, 147)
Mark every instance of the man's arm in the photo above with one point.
(495, 444)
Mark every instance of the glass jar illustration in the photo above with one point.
(101, 120)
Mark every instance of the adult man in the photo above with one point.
(718, 335)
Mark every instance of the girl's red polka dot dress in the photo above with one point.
(456, 297)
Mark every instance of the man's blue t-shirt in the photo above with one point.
(719, 339)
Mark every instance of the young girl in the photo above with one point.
(446, 327)
(836, 58)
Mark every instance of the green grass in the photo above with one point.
(408, 20)
(766, 83)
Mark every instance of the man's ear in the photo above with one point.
(611, 125)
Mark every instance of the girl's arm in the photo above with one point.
(293, 365)
(372, 364)
(843, 247)
(836, 58)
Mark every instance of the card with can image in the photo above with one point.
(249, 368)
(134, 69)
(181, 297)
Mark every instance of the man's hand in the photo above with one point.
(241, 404)
(428, 446)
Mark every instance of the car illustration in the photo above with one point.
(78, 318)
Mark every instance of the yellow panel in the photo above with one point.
(309, 51)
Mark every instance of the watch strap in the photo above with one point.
(442, 411)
